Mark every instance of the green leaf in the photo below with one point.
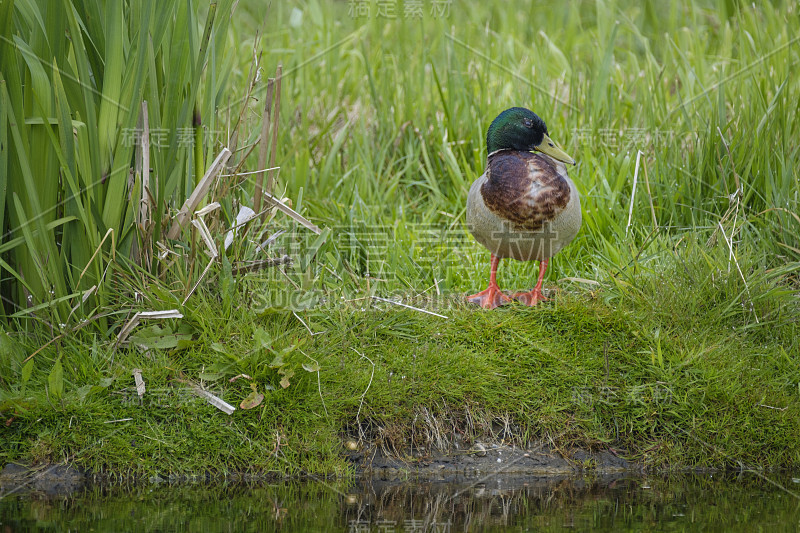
(184, 342)
(226, 280)
(262, 339)
(311, 367)
(156, 337)
(219, 348)
(307, 300)
(321, 239)
(88, 390)
(55, 380)
(11, 355)
(253, 399)
(27, 370)
(278, 362)
(110, 102)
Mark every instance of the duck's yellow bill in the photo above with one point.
(549, 147)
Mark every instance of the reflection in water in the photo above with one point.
(694, 502)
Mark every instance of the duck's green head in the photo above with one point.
(521, 129)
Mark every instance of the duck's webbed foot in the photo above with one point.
(489, 298)
(530, 298)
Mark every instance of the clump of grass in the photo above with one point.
(82, 96)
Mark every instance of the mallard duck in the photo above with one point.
(523, 206)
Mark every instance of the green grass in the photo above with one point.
(675, 339)
(74, 192)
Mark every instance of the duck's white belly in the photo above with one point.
(504, 240)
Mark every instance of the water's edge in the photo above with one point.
(368, 463)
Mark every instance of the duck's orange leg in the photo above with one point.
(492, 296)
(535, 296)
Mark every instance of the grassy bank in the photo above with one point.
(663, 371)
(672, 333)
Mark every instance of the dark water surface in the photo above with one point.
(744, 502)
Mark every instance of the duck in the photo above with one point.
(524, 206)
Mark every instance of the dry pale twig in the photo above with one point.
(580, 280)
(213, 206)
(263, 144)
(736, 262)
(137, 378)
(650, 196)
(409, 307)
(292, 213)
(134, 321)
(205, 234)
(633, 192)
(312, 333)
(361, 435)
(197, 283)
(144, 206)
(216, 401)
(191, 203)
(319, 384)
(771, 407)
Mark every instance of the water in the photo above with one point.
(677, 503)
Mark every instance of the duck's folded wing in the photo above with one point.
(525, 188)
